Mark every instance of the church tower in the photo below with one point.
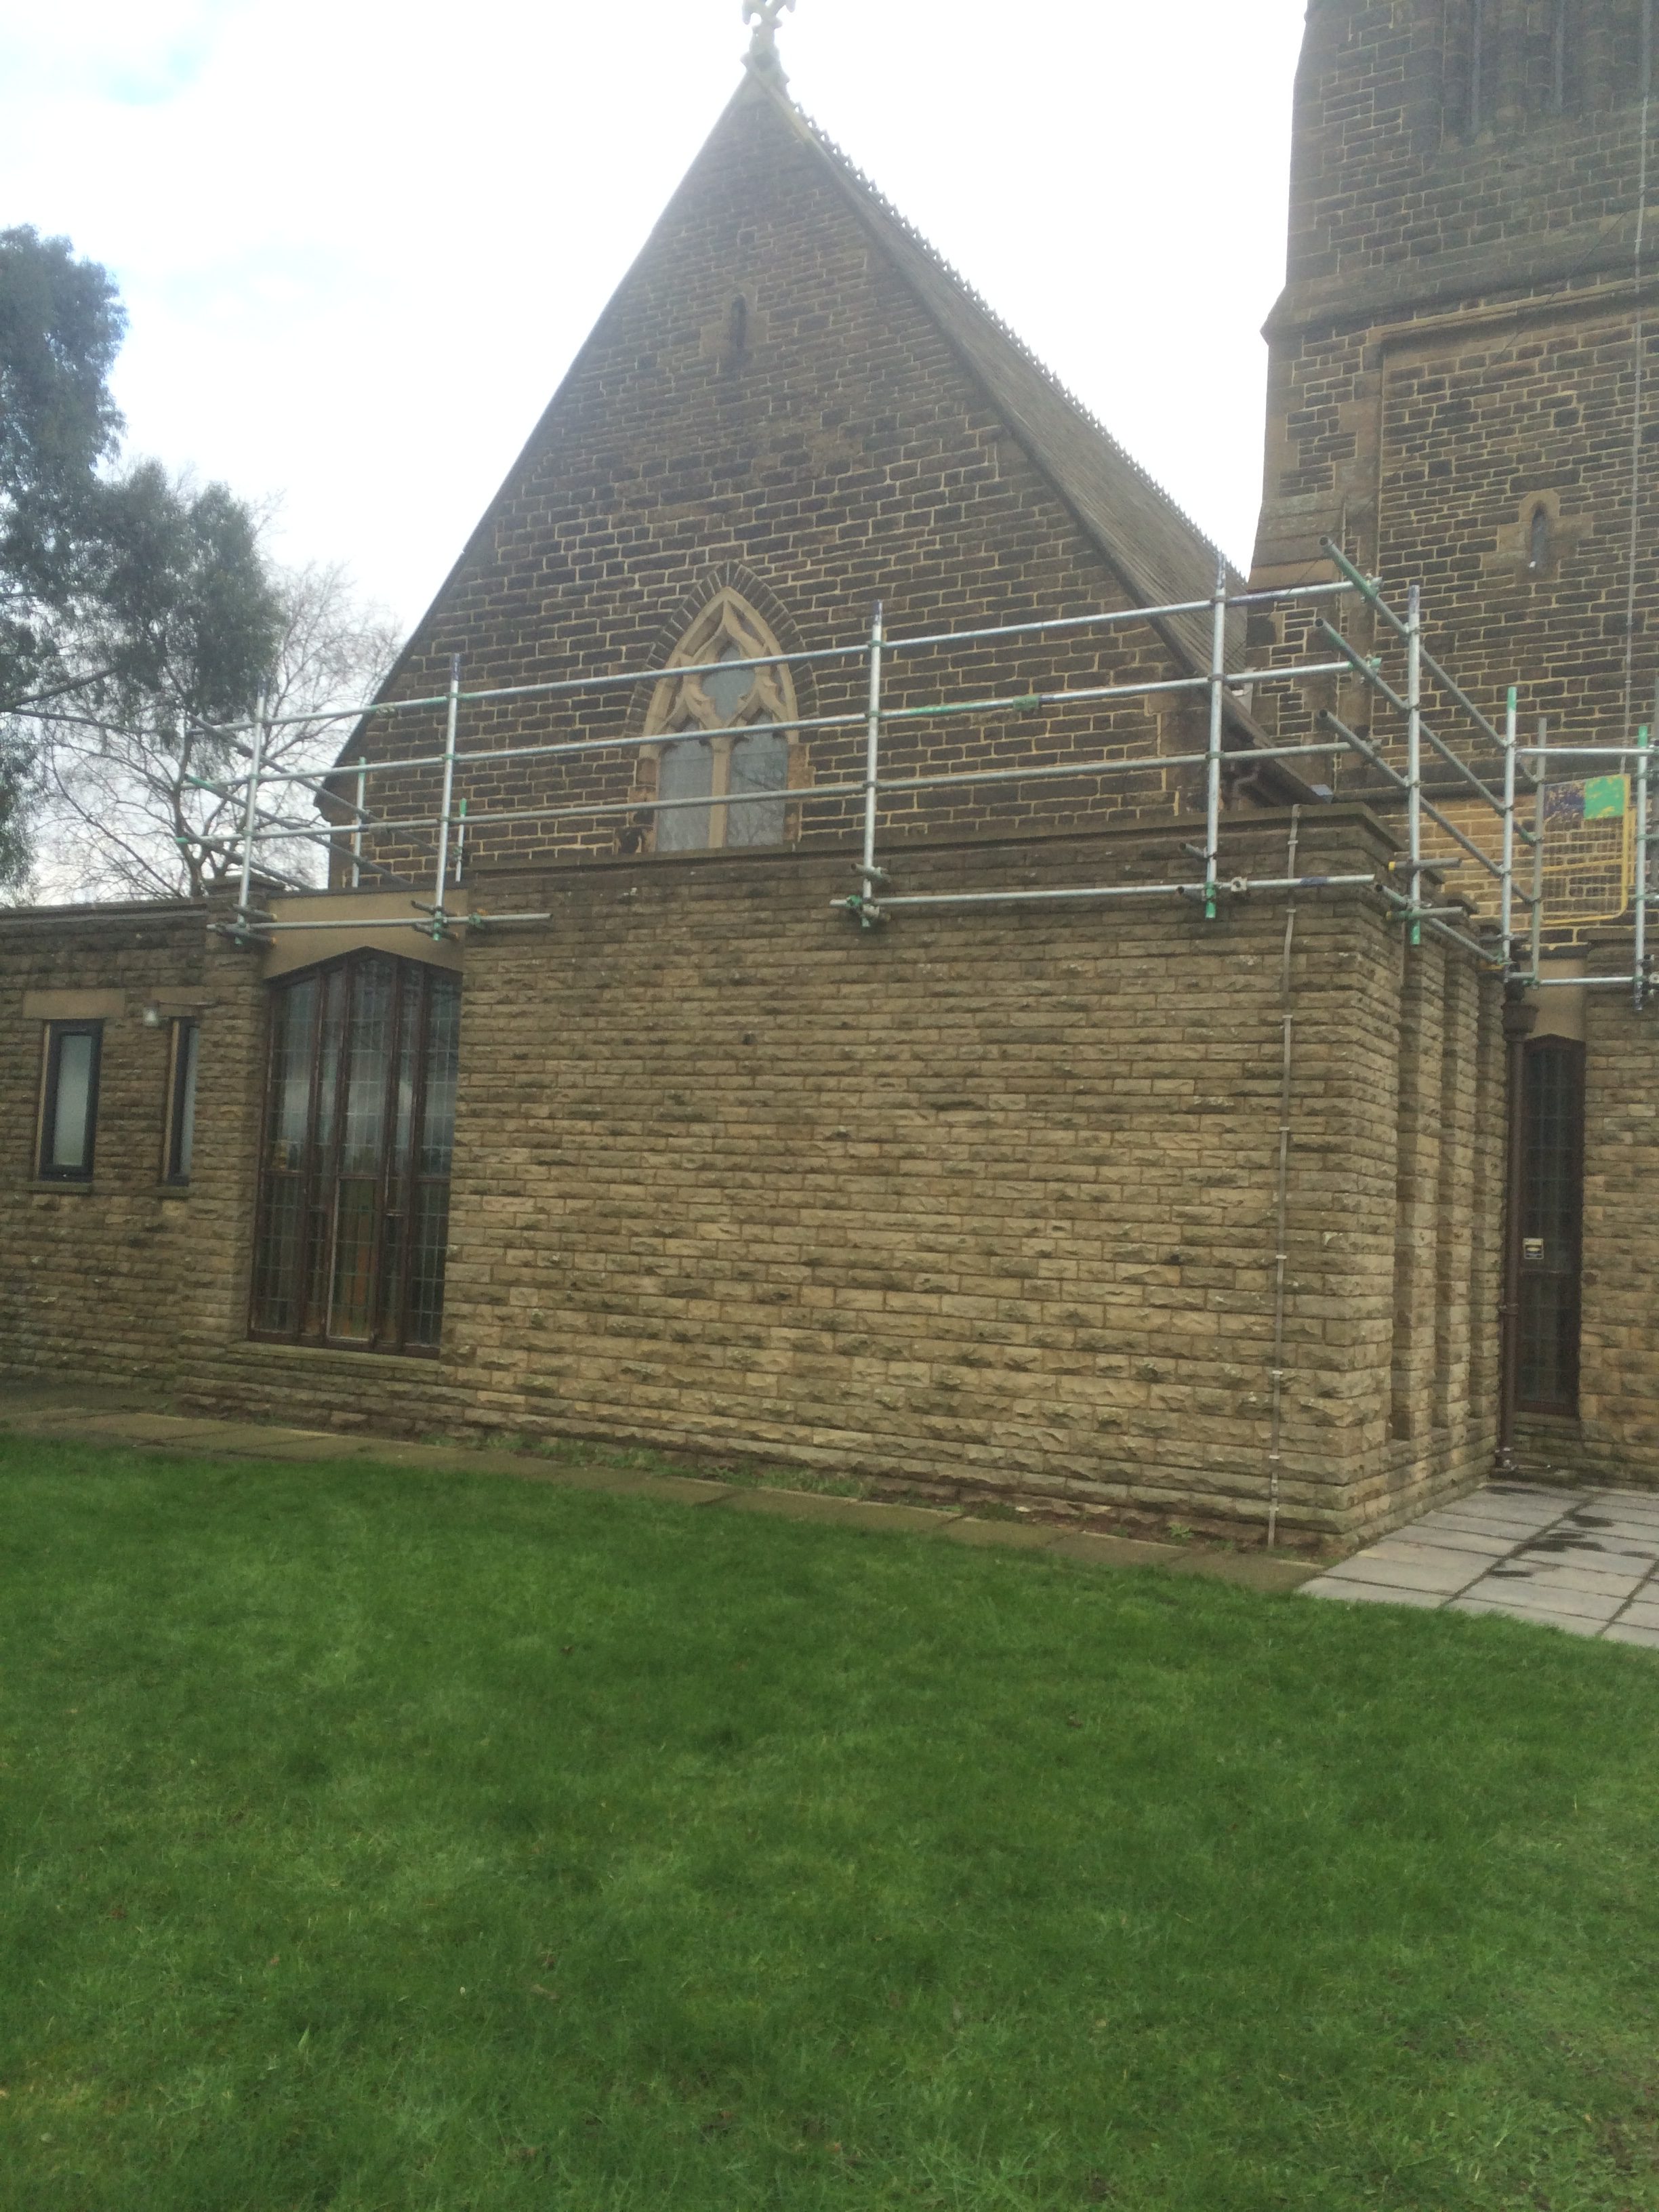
(1463, 386)
(1464, 394)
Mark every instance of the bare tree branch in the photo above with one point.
(148, 809)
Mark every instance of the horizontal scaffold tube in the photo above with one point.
(1239, 887)
(800, 795)
(553, 687)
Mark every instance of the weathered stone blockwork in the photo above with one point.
(100, 1278)
(1455, 352)
(847, 452)
(1455, 397)
(982, 1204)
(1620, 1382)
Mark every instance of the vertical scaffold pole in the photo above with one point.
(872, 759)
(1540, 778)
(251, 815)
(1213, 771)
(357, 826)
(1414, 750)
(449, 794)
(1639, 966)
(1511, 732)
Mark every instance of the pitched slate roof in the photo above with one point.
(1161, 554)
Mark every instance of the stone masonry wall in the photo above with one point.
(1453, 397)
(841, 454)
(93, 1276)
(978, 1203)
(1619, 1391)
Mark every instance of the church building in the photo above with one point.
(854, 940)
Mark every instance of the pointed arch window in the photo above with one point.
(728, 760)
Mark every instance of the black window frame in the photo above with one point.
(46, 1168)
(307, 1279)
(181, 1096)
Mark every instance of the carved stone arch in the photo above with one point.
(703, 721)
(763, 603)
(727, 626)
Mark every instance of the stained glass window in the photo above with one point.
(360, 1122)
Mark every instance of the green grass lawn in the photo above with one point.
(378, 1839)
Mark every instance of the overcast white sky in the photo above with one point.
(359, 243)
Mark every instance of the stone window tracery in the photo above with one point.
(725, 734)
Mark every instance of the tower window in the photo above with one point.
(1541, 552)
(738, 326)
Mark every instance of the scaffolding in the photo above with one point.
(1437, 724)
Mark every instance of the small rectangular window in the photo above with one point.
(69, 1105)
(181, 1101)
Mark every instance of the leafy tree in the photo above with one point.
(126, 597)
(138, 806)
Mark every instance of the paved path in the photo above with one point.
(1587, 1560)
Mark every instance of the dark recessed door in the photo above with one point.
(1552, 1223)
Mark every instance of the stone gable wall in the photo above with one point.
(845, 455)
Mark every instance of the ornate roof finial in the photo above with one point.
(762, 56)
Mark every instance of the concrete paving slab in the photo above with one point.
(58, 1420)
(1510, 1534)
(1115, 1550)
(1358, 1593)
(1408, 1544)
(1640, 1543)
(147, 1428)
(1256, 1571)
(1481, 1542)
(1445, 1575)
(1551, 1574)
(281, 1443)
(1568, 1558)
(1585, 1605)
(1484, 1513)
(1574, 1624)
(1529, 1490)
(1568, 1545)
(999, 1535)
(1620, 1632)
